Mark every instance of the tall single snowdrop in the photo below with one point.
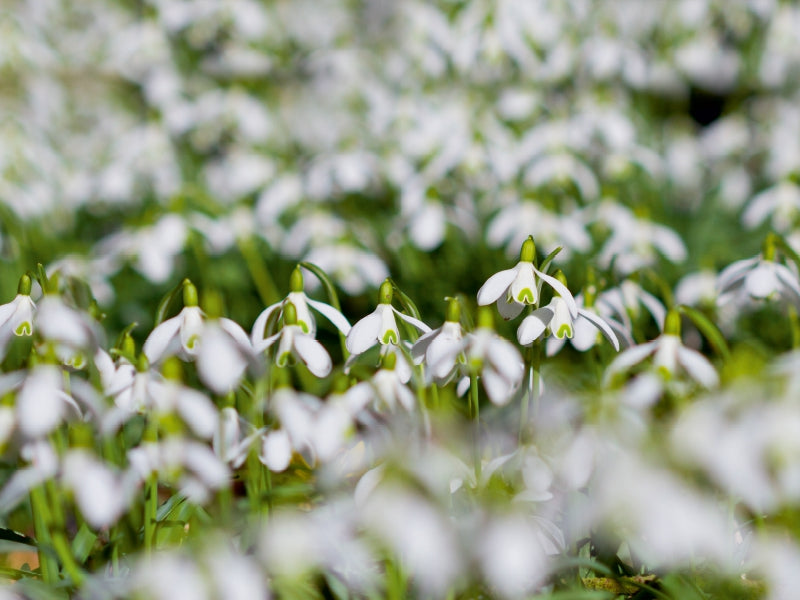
(520, 286)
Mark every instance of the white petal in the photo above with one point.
(553, 345)
(670, 243)
(505, 359)
(495, 286)
(533, 326)
(698, 366)
(524, 288)
(420, 347)
(508, 308)
(561, 323)
(330, 313)
(601, 324)
(40, 406)
(198, 412)
(157, 342)
(220, 360)
(789, 279)
(257, 333)
(364, 334)
(562, 291)
(759, 208)
(415, 322)
(497, 388)
(629, 357)
(313, 354)
(734, 272)
(654, 306)
(276, 451)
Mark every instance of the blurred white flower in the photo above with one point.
(780, 202)
(758, 279)
(16, 317)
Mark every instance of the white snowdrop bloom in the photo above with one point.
(708, 62)
(581, 330)
(233, 437)
(758, 279)
(512, 225)
(152, 250)
(389, 388)
(295, 344)
(235, 576)
(289, 544)
(422, 537)
(17, 316)
(563, 167)
(634, 241)
(305, 319)
(621, 303)
(511, 556)
(441, 347)
(497, 361)
(276, 450)
(697, 288)
(515, 288)
(41, 403)
(74, 334)
(780, 202)
(352, 268)
(101, 494)
(224, 355)
(380, 326)
(170, 576)
(670, 357)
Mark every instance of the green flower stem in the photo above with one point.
(151, 496)
(258, 271)
(531, 395)
(475, 415)
(47, 562)
(794, 323)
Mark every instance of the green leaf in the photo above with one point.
(708, 329)
(83, 543)
(406, 302)
(163, 306)
(548, 259)
(330, 289)
(786, 248)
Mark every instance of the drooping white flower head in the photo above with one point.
(380, 326)
(440, 348)
(670, 357)
(295, 344)
(301, 302)
(16, 317)
(758, 279)
(221, 359)
(515, 288)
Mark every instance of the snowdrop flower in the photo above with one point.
(497, 361)
(441, 347)
(230, 443)
(670, 357)
(73, 334)
(16, 317)
(380, 326)
(624, 302)
(585, 329)
(301, 303)
(295, 343)
(562, 324)
(781, 202)
(515, 288)
(221, 360)
(389, 388)
(758, 278)
(351, 267)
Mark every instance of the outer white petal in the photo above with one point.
(197, 411)
(415, 322)
(553, 345)
(157, 342)
(313, 354)
(330, 313)
(364, 333)
(505, 359)
(220, 360)
(40, 406)
(257, 333)
(734, 272)
(96, 488)
(759, 208)
(420, 347)
(670, 243)
(601, 324)
(441, 358)
(534, 325)
(789, 280)
(498, 388)
(698, 366)
(654, 305)
(22, 319)
(264, 344)
(508, 308)
(276, 450)
(630, 357)
(6, 310)
(562, 291)
(495, 286)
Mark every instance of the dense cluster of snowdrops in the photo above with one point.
(213, 462)
(416, 299)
